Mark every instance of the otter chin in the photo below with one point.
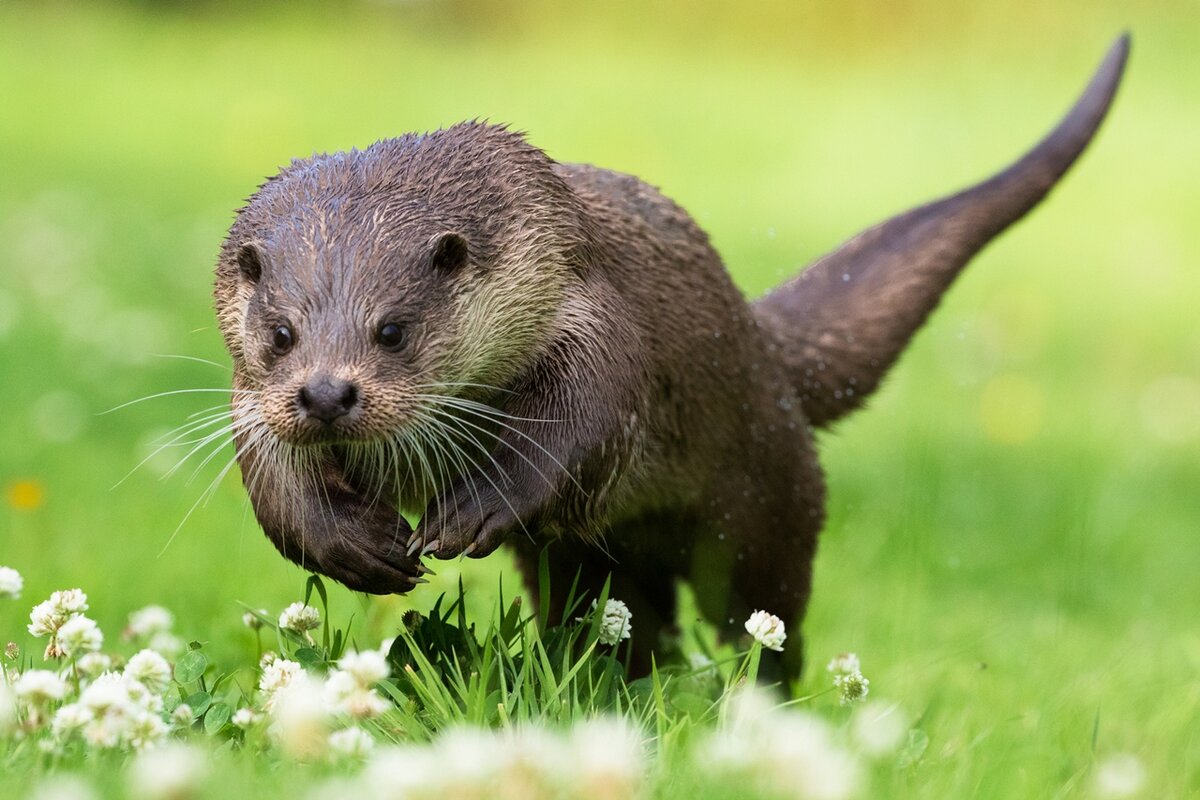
(552, 356)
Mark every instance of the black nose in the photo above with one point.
(326, 398)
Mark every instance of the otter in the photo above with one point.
(522, 351)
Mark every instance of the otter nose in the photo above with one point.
(326, 398)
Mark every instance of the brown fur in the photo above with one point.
(592, 372)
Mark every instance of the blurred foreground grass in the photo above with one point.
(1013, 537)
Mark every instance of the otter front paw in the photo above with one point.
(371, 566)
(468, 522)
(363, 546)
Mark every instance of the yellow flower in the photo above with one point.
(25, 495)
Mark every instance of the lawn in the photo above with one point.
(1012, 543)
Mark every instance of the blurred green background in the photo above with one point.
(1014, 539)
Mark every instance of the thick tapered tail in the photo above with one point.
(842, 322)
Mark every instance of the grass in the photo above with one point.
(1011, 540)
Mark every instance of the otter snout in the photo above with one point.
(327, 398)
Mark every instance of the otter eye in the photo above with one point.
(390, 335)
(282, 340)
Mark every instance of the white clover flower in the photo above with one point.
(299, 719)
(39, 686)
(245, 718)
(351, 743)
(51, 747)
(852, 687)
(1120, 775)
(767, 629)
(146, 730)
(277, 675)
(878, 728)
(124, 713)
(63, 787)
(108, 691)
(368, 667)
(79, 635)
(779, 752)
(268, 658)
(534, 762)
(805, 762)
(151, 669)
(166, 643)
(477, 758)
(401, 772)
(141, 696)
(172, 772)
(615, 624)
(45, 618)
(608, 758)
(844, 664)
(71, 718)
(300, 618)
(92, 664)
(345, 694)
(183, 715)
(146, 622)
(8, 708)
(254, 621)
(70, 601)
(11, 583)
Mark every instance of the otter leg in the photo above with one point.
(563, 442)
(755, 549)
(315, 518)
(649, 593)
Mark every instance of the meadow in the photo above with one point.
(1012, 543)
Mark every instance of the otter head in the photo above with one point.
(343, 341)
(366, 296)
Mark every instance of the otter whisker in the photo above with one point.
(217, 410)
(486, 477)
(444, 476)
(468, 406)
(501, 440)
(436, 490)
(443, 427)
(447, 385)
(220, 433)
(482, 408)
(455, 454)
(225, 367)
(204, 497)
(176, 392)
(178, 440)
(221, 445)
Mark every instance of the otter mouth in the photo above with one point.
(325, 435)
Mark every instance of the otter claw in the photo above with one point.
(419, 581)
(469, 549)
(425, 570)
(434, 545)
(415, 545)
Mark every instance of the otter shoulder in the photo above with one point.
(626, 199)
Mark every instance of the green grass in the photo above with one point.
(1011, 545)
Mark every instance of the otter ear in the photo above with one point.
(250, 261)
(450, 252)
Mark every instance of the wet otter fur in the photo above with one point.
(524, 351)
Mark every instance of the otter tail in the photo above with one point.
(842, 322)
